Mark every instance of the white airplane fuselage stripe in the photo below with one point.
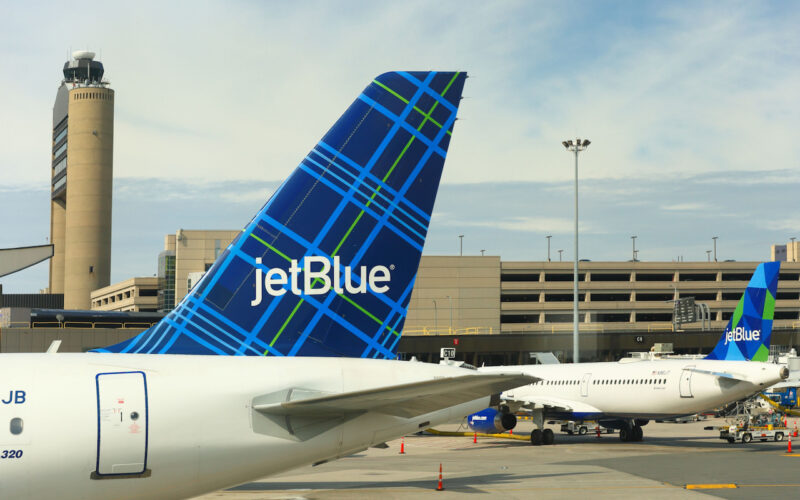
(199, 422)
(634, 389)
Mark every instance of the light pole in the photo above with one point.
(435, 316)
(576, 147)
(461, 245)
(708, 254)
(559, 255)
(548, 246)
(451, 313)
(715, 247)
(633, 239)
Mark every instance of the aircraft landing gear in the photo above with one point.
(540, 437)
(631, 433)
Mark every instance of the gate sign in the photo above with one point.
(684, 311)
(447, 353)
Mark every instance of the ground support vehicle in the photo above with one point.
(737, 434)
(572, 427)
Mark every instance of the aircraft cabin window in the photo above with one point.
(16, 426)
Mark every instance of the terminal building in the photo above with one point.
(501, 311)
(498, 311)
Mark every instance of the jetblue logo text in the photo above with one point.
(739, 333)
(319, 281)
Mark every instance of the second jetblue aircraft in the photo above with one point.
(627, 394)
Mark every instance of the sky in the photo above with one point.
(690, 108)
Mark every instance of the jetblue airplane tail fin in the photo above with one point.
(326, 267)
(747, 335)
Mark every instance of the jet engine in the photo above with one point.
(491, 420)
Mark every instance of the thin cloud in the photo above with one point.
(528, 224)
(685, 207)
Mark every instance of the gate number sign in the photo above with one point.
(447, 353)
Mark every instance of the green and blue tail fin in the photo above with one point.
(747, 336)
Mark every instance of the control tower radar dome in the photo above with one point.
(82, 68)
(82, 54)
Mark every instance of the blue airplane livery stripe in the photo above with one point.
(374, 189)
(370, 195)
(327, 265)
(384, 187)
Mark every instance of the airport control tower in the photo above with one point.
(82, 168)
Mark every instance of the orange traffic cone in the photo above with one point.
(475, 437)
(440, 486)
(795, 428)
(511, 431)
(598, 431)
(403, 446)
(789, 445)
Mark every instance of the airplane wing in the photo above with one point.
(404, 400)
(532, 402)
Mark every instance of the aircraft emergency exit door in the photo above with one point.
(121, 424)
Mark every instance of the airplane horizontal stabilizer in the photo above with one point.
(784, 373)
(726, 375)
(404, 400)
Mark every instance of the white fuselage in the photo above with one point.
(643, 389)
(194, 421)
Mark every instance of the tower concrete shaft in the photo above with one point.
(82, 182)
